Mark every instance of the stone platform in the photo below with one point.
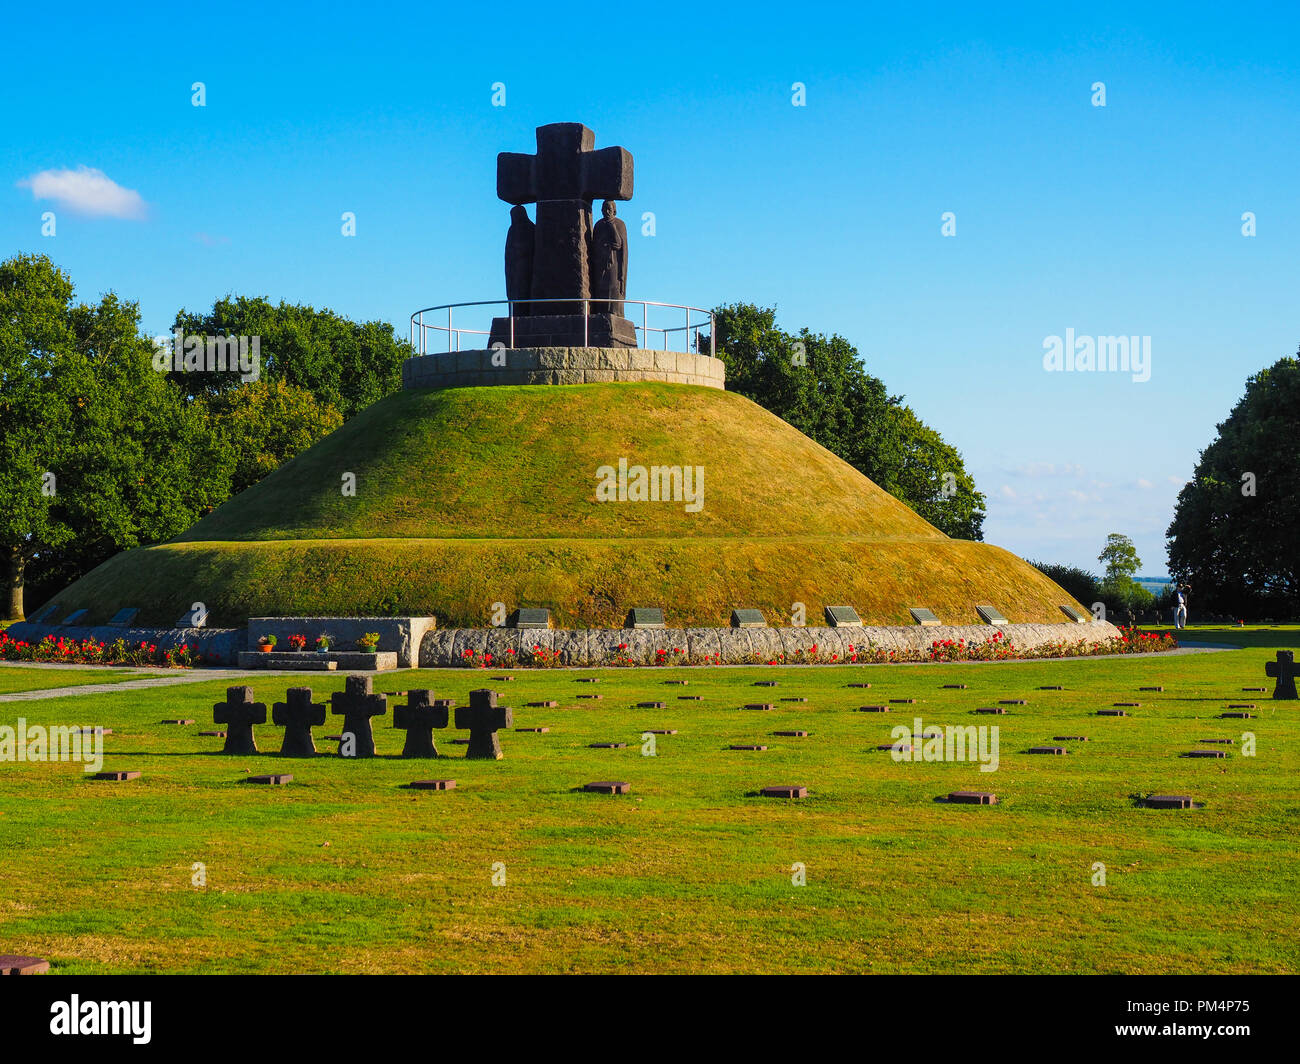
(560, 365)
(310, 661)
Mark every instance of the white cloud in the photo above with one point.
(88, 191)
(1145, 484)
(1007, 492)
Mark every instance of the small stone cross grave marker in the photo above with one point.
(297, 715)
(484, 718)
(1283, 671)
(239, 713)
(418, 718)
(357, 703)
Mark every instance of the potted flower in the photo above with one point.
(266, 643)
(298, 643)
(322, 644)
(368, 643)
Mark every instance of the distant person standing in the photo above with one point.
(1180, 614)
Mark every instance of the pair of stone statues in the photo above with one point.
(606, 256)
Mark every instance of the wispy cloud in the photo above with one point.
(210, 241)
(88, 191)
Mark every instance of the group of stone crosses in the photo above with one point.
(358, 704)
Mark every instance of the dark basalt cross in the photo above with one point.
(483, 717)
(418, 718)
(239, 713)
(563, 178)
(297, 716)
(357, 704)
(1284, 672)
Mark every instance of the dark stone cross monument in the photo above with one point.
(484, 718)
(297, 716)
(239, 713)
(1284, 672)
(567, 260)
(357, 703)
(418, 718)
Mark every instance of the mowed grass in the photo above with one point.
(345, 871)
(17, 678)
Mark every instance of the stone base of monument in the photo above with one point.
(561, 365)
(309, 661)
(564, 330)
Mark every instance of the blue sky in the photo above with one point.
(1115, 220)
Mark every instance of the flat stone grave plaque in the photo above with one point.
(503, 679)
(760, 705)
(1013, 702)
(746, 746)
(1130, 705)
(278, 779)
(460, 742)
(764, 683)
(606, 746)
(1047, 750)
(1204, 753)
(1150, 688)
(529, 618)
(450, 703)
(843, 617)
(592, 698)
(785, 791)
(1052, 687)
(75, 617)
(677, 683)
(1074, 614)
(1235, 716)
(587, 679)
(484, 718)
(792, 734)
(179, 720)
(97, 730)
(123, 618)
(536, 731)
(1168, 801)
(859, 685)
(991, 615)
(794, 698)
(902, 701)
(14, 964)
(650, 705)
(973, 798)
(213, 734)
(991, 709)
(953, 687)
(690, 698)
(1260, 690)
(746, 618)
(1282, 670)
(661, 731)
(925, 618)
(645, 617)
(432, 785)
(116, 777)
(1111, 713)
(1242, 705)
(873, 709)
(543, 705)
(1225, 742)
(1069, 738)
(608, 787)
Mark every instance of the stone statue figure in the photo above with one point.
(520, 244)
(609, 261)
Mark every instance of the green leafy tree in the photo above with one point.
(820, 386)
(345, 364)
(100, 453)
(1118, 588)
(1234, 535)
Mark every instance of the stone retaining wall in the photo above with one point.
(560, 365)
(218, 646)
(734, 645)
(401, 635)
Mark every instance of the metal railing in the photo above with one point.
(420, 328)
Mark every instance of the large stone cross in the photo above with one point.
(418, 718)
(358, 704)
(563, 178)
(239, 713)
(297, 716)
(483, 717)
(1284, 671)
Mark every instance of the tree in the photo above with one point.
(265, 423)
(820, 386)
(1234, 534)
(100, 453)
(344, 364)
(1118, 588)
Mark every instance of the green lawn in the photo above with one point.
(17, 678)
(343, 870)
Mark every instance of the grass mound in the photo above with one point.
(471, 496)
